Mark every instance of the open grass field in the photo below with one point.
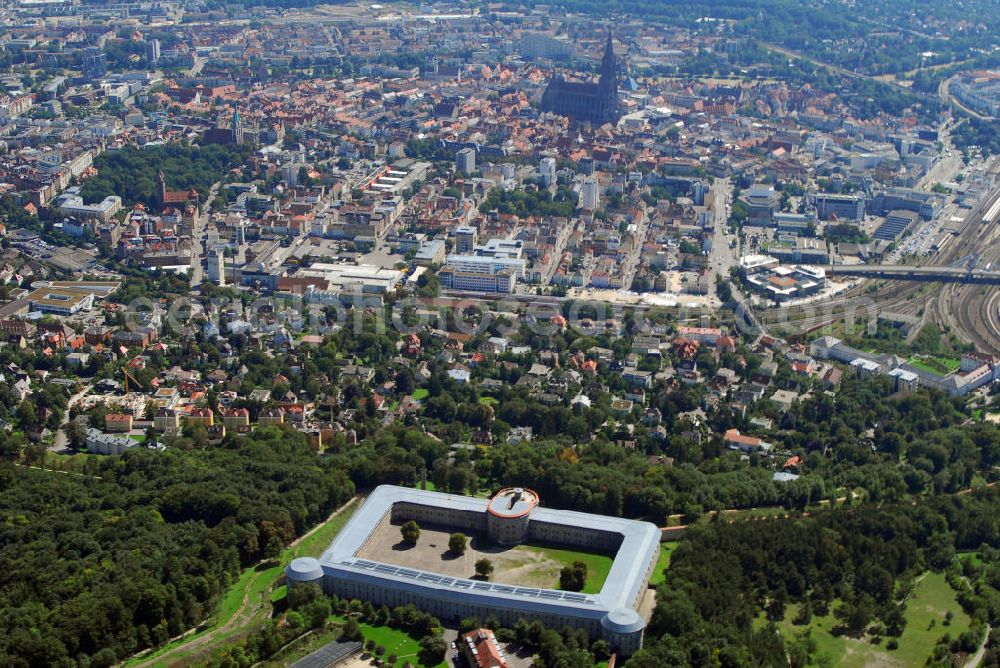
(931, 600)
(971, 556)
(55, 459)
(598, 565)
(420, 394)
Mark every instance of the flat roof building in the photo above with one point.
(510, 517)
(364, 278)
(71, 204)
(99, 443)
(60, 301)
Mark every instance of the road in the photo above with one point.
(723, 258)
(198, 238)
(944, 92)
(196, 67)
(61, 443)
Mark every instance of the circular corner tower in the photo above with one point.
(304, 570)
(508, 514)
(623, 629)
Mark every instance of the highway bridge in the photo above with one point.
(901, 272)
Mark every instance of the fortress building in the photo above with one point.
(511, 517)
(592, 102)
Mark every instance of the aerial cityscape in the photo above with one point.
(497, 335)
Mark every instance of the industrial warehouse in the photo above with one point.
(511, 518)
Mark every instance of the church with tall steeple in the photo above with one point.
(586, 101)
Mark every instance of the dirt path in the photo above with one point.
(245, 613)
(977, 658)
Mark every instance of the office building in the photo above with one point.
(465, 160)
(466, 237)
(831, 206)
(547, 170)
(95, 64)
(590, 194)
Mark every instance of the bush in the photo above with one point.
(351, 629)
(484, 568)
(410, 532)
(457, 543)
(573, 578)
(432, 650)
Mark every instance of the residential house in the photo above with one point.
(166, 420)
(118, 422)
(274, 415)
(235, 419)
(204, 416)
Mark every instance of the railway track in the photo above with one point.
(969, 311)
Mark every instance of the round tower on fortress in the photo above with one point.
(508, 514)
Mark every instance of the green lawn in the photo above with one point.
(659, 572)
(488, 401)
(420, 394)
(935, 364)
(932, 598)
(397, 642)
(598, 565)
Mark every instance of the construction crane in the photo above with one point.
(129, 377)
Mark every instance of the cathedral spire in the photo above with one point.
(608, 61)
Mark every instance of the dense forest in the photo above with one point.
(131, 172)
(860, 563)
(97, 565)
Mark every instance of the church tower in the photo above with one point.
(161, 188)
(608, 83)
(237, 127)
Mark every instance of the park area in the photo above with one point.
(529, 565)
(926, 622)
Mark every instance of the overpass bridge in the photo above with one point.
(899, 272)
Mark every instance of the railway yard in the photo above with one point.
(971, 312)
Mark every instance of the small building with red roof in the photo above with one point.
(482, 650)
